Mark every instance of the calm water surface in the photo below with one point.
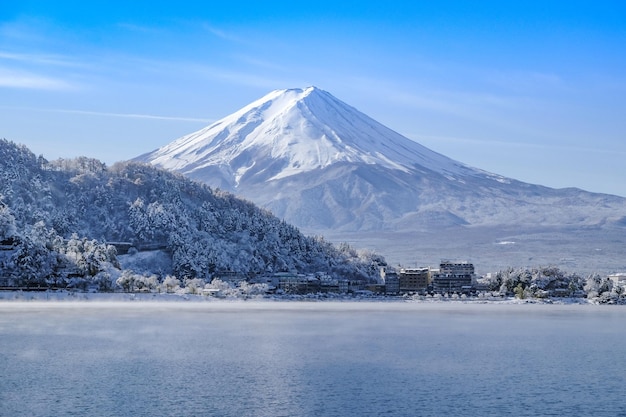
(311, 359)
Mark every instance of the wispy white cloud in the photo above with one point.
(39, 71)
(260, 63)
(123, 115)
(222, 34)
(136, 116)
(25, 80)
(250, 79)
(25, 29)
(199, 72)
(524, 82)
(40, 59)
(478, 106)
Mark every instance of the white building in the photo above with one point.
(389, 278)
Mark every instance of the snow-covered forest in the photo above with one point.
(550, 281)
(59, 220)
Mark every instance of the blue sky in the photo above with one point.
(534, 90)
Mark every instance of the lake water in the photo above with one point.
(311, 359)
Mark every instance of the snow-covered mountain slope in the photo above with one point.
(298, 130)
(324, 166)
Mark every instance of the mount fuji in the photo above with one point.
(324, 166)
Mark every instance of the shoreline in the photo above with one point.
(67, 297)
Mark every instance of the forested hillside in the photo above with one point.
(59, 218)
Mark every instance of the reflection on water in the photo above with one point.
(310, 359)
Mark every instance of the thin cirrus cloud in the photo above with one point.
(33, 71)
(263, 64)
(26, 80)
(469, 105)
(40, 59)
(195, 71)
(126, 115)
(245, 78)
(224, 35)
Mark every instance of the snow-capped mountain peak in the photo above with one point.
(298, 130)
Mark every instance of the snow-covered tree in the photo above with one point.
(170, 284)
(7, 222)
(127, 280)
(194, 285)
